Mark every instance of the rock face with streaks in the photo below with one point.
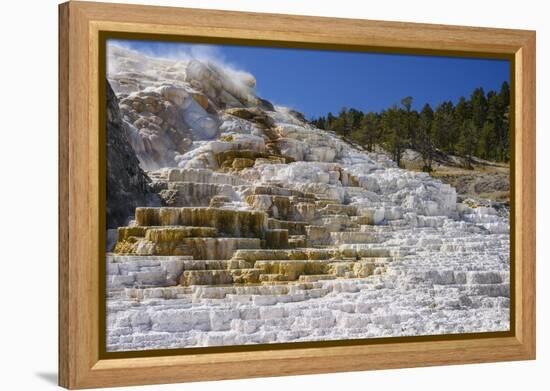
(127, 184)
(271, 230)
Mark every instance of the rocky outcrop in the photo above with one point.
(272, 230)
(175, 104)
(127, 184)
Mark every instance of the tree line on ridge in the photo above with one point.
(477, 126)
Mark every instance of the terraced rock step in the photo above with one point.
(198, 248)
(253, 248)
(195, 194)
(199, 176)
(353, 237)
(245, 268)
(137, 271)
(234, 223)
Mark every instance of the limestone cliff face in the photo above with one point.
(127, 184)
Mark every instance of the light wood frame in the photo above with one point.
(80, 23)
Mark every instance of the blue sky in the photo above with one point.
(318, 81)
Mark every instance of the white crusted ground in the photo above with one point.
(447, 269)
(428, 292)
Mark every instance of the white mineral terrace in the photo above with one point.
(280, 232)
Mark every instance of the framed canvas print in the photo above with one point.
(248, 195)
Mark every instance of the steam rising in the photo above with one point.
(172, 66)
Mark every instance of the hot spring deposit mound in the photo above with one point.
(244, 224)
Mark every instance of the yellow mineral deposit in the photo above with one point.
(241, 247)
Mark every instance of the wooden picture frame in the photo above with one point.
(81, 24)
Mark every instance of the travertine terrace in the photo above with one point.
(271, 230)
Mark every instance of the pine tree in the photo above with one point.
(504, 113)
(349, 121)
(340, 125)
(487, 142)
(411, 131)
(463, 111)
(354, 118)
(479, 108)
(322, 123)
(492, 130)
(445, 129)
(395, 137)
(504, 94)
(425, 139)
(467, 142)
(369, 130)
(330, 121)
